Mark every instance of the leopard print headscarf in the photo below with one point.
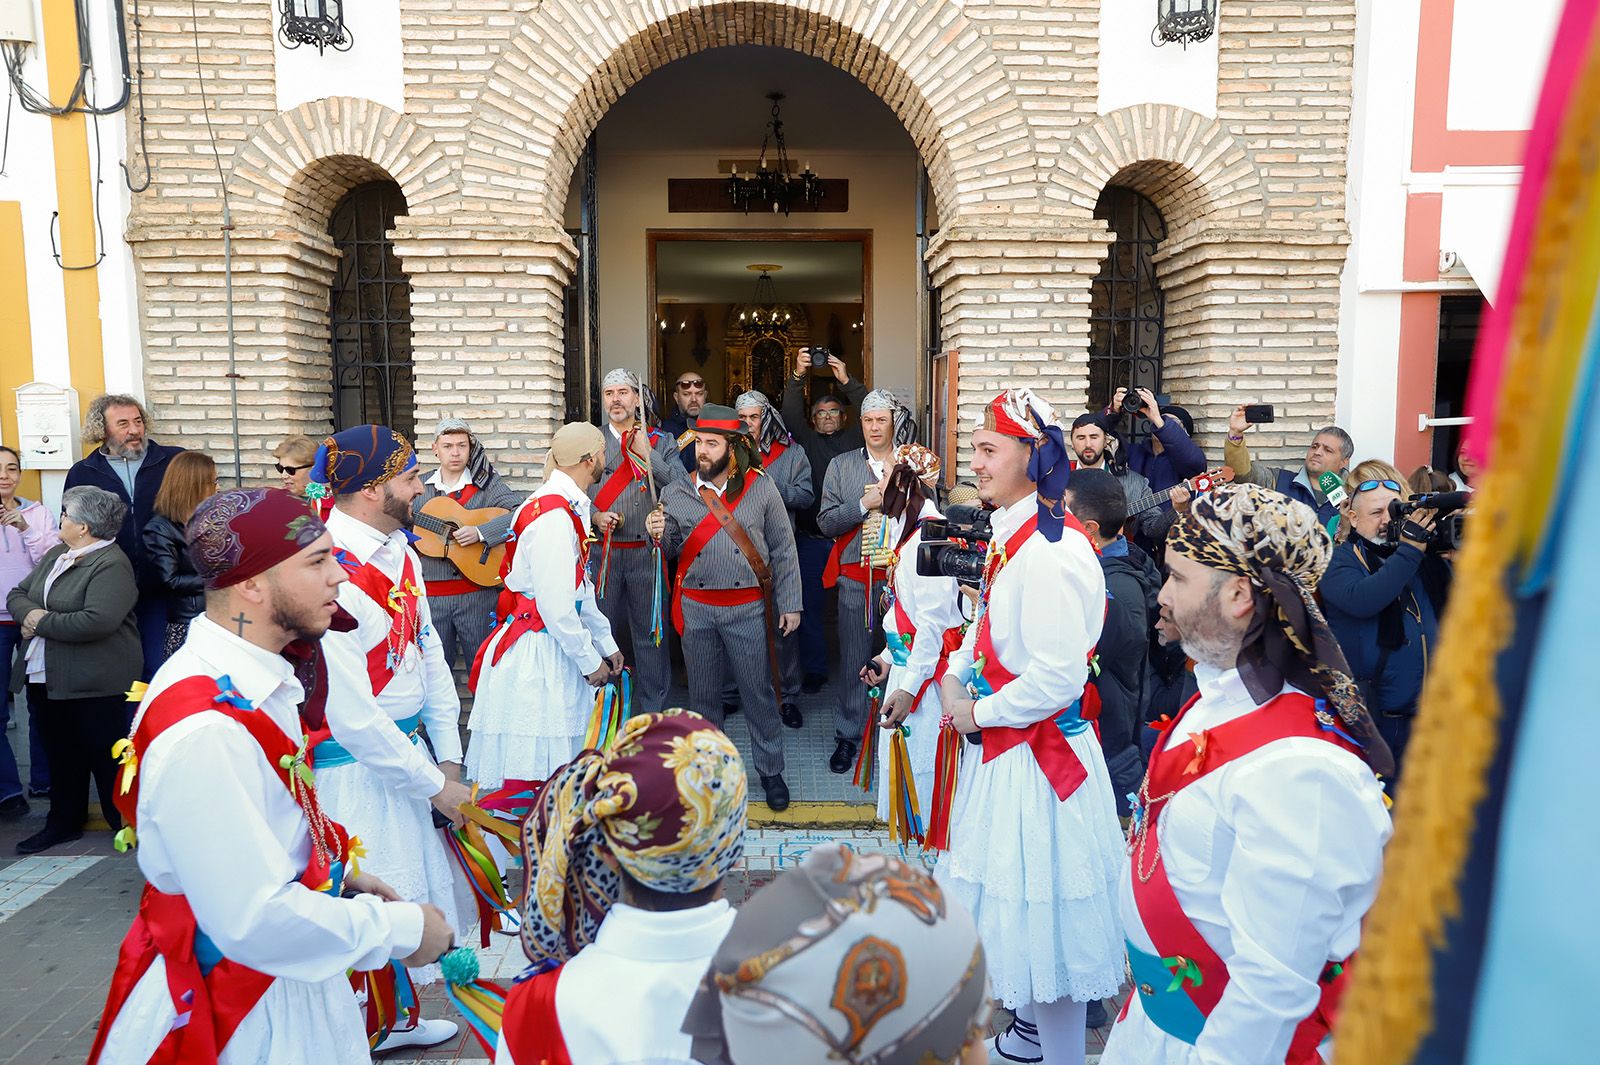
(1278, 544)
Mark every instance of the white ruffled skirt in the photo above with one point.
(1039, 875)
(922, 744)
(403, 848)
(529, 714)
(295, 1021)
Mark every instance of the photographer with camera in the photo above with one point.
(1316, 483)
(1035, 847)
(1383, 595)
(1172, 454)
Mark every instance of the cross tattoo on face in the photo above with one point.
(240, 621)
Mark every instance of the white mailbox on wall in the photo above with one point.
(47, 426)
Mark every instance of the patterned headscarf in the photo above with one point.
(1021, 415)
(666, 799)
(479, 469)
(243, 532)
(1278, 544)
(773, 428)
(855, 958)
(622, 376)
(905, 426)
(363, 457)
(913, 471)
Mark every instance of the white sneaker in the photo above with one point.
(426, 1033)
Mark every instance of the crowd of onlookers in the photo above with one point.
(94, 599)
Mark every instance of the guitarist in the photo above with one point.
(462, 610)
(737, 588)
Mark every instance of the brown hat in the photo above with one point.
(573, 443)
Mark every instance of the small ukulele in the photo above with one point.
(434, 525)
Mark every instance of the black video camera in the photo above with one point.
(1451, 508)
(956, 545)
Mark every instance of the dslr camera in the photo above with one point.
(1452, 510)
(819, 358)
(956, 545)
(1132, 402)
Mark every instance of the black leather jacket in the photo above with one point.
(166, 554)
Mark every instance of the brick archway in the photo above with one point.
(570, 60)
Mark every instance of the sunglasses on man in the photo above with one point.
(289, 470)
(690, 384)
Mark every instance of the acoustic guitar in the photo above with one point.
(1197, 485)
(434, 525)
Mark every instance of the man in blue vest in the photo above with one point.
(1330, 452)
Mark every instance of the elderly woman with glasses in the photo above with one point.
(79, 657)
(1383, 594)
(292, 460)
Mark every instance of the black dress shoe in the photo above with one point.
(844, 756)
(1095, 1016)
(729, 709)
(813, 683)
(789, 714)
(43, 841)
(777, 793)
(14, 808)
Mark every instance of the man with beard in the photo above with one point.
(131, 466)
(787, 465)
(251, 915)
(639, 463)
(1093, 444)
(375, 771)
(851, 494)
(1259, 829)
(737, 589)
(688, 396)
(1035, 847)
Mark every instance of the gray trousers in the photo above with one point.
(626, 606)
(788, 666)
(856, 645)
(733, 639)
(462, 622)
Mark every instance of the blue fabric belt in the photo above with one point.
(1174, 1012)
(329, 753)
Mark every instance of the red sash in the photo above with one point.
(778, 448)
(530, 1027)
(400, 603)
(1049, 744)
(1171, 932)
(464, 495)
(210, 1006)
(520, 611)
(856, 571)
(698, 539)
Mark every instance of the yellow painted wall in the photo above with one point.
(16, 332)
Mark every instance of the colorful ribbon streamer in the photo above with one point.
(481, 1003)
(612, 705)
(905, 817)
(867, 757)
(658, 596)
(946, 763)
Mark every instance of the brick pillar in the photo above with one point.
(281, 277)
(486, 332)
(1252, 317)
(1015, 303)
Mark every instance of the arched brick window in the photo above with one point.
(371, 313)
(1127, 310)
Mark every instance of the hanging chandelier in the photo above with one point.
(764, 316)
(772, 187)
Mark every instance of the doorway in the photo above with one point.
(736, 306)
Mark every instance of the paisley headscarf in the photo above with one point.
(479, 469)
(1280, 546)
(666, 800)
(1021, 415)
(361, 457)
(773, 428)
(854, 958)
(905, 426)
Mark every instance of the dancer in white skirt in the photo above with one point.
(535, 677)
(921, 625)
(1035, 847)
(375, 774)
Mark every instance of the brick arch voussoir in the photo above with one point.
(298, 165)
(567, 63)
(1191, 167)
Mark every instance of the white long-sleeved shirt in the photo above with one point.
(542, 569)
(1045, 611)
(1275, 858)
(932, 603)
(363, 723)
(217, 825)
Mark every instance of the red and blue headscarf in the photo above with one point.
(1020, 414)
(362, 457)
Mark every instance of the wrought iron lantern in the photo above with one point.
(317, 22)
(1184, 22)
(772, 187)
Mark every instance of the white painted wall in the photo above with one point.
(1135, 71)
(632, 190)
(1498, 53)
(122, 354)
(371, 69)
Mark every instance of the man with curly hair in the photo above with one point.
(131, 466)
